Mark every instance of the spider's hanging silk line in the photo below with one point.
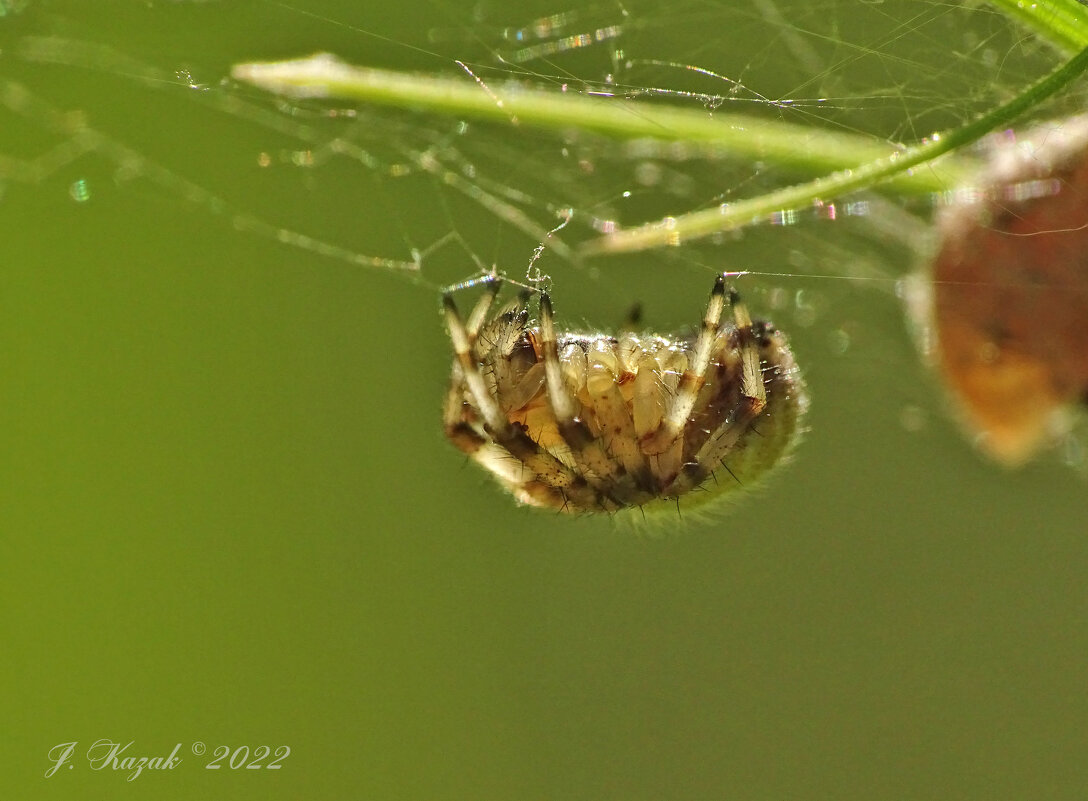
(536, 278)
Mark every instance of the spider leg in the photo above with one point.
(560, 400)
(599, 470)
(495, 347)
(465, 438)
(667, 442)
(479, 312)
(753, 400)
(752, 388)
(543, 467)
(692, 379)
(459, 432)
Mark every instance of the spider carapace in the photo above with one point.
(599, 423)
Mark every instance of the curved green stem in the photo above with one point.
(674, 230)
(802, 147)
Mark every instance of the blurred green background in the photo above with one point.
(228, 514)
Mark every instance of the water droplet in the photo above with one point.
(839, 340)
(79, 191)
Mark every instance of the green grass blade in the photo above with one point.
(1064, 23)
(804, 148)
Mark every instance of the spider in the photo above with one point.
(598, 423)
